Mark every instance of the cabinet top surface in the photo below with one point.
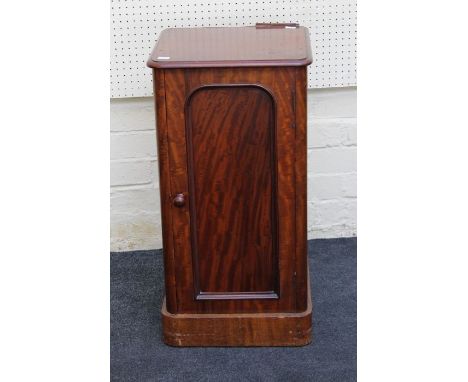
(232, 47)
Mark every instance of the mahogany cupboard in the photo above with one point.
(231, 133)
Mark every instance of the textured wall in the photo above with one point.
(135, 210)
(136, 25)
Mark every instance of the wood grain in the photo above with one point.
(280, 82)
(165, 190)
(300, 165)
(254, 329)
(231, 141)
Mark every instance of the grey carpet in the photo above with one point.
(138, 353)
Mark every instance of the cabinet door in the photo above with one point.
(231, 157)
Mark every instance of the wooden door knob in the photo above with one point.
(179, 200)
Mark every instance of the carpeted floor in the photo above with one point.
(138, 353)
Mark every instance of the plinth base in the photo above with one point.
(246, 329)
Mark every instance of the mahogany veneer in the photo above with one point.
(231, 132)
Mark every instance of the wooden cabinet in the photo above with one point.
(231, 133)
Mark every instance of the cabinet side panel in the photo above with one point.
(301, 189)
(165, 189)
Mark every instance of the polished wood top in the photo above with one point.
(278, 45)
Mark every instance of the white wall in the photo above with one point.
(135, 209)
